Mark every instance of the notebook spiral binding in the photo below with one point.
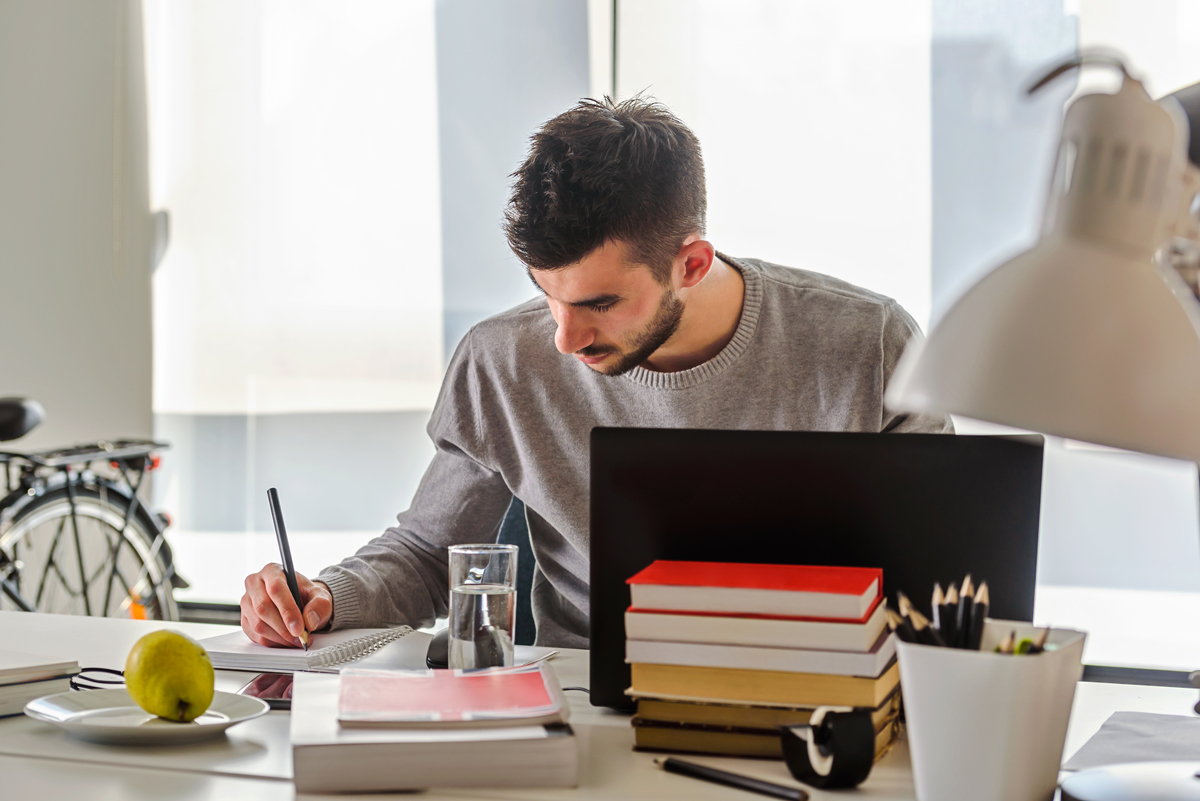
(357, 648)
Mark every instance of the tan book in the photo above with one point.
(743, 715)
(714, 741)
(726, 685)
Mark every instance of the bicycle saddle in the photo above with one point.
(18, 416)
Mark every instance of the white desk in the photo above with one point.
(254, 761)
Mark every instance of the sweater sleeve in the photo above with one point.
(402, 576)
(899, 328)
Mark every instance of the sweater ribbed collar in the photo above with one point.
(751, 307)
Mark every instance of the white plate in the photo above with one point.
(111, 716)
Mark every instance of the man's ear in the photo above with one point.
(696, 255)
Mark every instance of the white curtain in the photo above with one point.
(295, 146)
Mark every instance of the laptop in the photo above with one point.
(923, 507)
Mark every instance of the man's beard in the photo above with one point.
(661, 327)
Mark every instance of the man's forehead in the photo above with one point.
(604, 271)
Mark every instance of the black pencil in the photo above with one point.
(935, 606)
(948, 616)
(979, 612)
(966, 602)
(672, 765)
(900, 625)
(926, 634)
(1039, 641)
(285, 553)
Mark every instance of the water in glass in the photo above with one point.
(481, 622)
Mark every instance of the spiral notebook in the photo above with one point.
(327, 653)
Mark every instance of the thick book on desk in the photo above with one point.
(14, 697)
(652, 735)
(734, 588)
(328, 651)
(745, 716)
(328, 758)
(24, 677)
(722, 685)
(761, 630)
(17, 667)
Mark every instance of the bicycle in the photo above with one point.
(76, 541)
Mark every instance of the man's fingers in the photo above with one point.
(319, 606)
(279, 593)
(317, 613)
(265, 618)
(260, 633)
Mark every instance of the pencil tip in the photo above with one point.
(981, 596)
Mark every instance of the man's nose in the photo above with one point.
(571, 335)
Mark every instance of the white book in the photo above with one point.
(770, 632)
(328, 758)
(17, 667)
(327, 652)
(14, 697)
(747, 657)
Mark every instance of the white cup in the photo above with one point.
(987, 726)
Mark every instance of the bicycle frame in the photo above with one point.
(45, 471)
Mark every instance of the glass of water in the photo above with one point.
(483, 605)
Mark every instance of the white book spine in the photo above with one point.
(742, 657)
(766, 632)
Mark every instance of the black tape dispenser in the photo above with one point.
(835, 750)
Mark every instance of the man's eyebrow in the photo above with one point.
(594, 301)
(606, 299)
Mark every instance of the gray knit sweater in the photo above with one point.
(811, 353)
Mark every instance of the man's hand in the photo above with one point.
(270, 616)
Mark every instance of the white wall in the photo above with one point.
(814, 119)
(75, 227)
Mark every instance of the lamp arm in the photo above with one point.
(1077, 61)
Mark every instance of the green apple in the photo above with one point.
(169, 674)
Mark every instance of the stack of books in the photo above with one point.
(24, 677)
(722, 655)
(375, 731)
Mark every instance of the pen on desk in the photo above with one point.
(979, 612)
(672, 765)
(966, 609)
(285, 553)
(948, 616)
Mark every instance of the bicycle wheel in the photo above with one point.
(101, 571)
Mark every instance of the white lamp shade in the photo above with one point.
(1069, 339)
(1083, 336)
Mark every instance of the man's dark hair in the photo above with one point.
(628, 171)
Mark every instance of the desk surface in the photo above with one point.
(255, 760)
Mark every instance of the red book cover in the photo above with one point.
(733, 588)
(505, 696)
(791, 578)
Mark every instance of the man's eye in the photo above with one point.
(604, 308)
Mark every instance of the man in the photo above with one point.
(642, 323)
